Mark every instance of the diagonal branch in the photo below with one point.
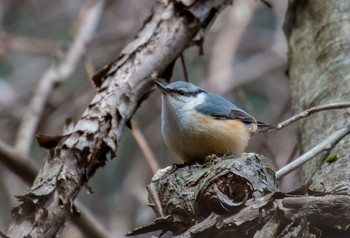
(90, 15)
(145, 148)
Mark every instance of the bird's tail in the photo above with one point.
(263, 127)
(260, 127)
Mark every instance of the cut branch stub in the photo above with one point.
(189, 194)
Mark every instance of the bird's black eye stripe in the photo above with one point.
(184, 93)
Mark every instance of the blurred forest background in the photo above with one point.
(245, 60)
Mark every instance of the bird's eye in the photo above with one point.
(179, 92)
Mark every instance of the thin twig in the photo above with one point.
(19, 43)
(146, 149)
(184, 66)
(88, 223)
(325, 145)
(312, 110)
(157, 207)
(90, 13)
(18, 163)
(24, 168)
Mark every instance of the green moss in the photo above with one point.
(206, 164)
(331, 158)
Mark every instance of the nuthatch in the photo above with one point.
(197, 123)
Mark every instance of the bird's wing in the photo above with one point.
(220, 108)
(241, 115)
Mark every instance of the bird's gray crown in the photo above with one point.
(184, 88)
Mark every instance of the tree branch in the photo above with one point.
(325, 145)
(185, 195)
(311, 111)
(122, 86)
(284, 217)
(235, 196)
(19, 43)
(146, 150)
(90, 15)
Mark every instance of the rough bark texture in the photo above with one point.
(318, 34)
(235, 196)
(122, 86)
(190, 193)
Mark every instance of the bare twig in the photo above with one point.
(312, 110)
(58, 73)
(20, 43)
(24, 168)
(146, 150)
(157, 207)
(325, 145)
(87, 222)
(18, 163)
(183, 63)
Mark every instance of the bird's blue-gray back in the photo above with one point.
(221, 108)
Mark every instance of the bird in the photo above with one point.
(197, 123)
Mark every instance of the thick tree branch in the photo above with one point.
(184, 195)
(121, 88)
(235, 196)
(57, 73)
(331, 212)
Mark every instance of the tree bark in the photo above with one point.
(183, 195)
(235, 196)
(75, 155)
(318, 34)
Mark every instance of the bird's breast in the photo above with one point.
(193, 136)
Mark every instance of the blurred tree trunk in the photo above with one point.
(318, 34)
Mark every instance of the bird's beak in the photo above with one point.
(162, 89)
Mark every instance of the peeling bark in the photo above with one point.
(121, 88)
